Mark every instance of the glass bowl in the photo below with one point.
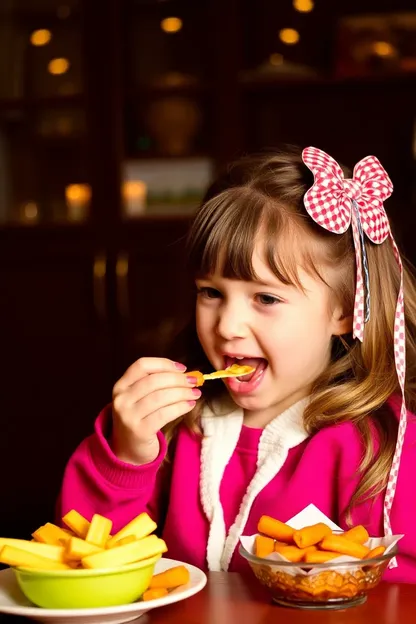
(329, 585)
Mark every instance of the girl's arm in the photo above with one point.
(95, 481)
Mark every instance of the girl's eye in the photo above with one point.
(267, 300)
(208, 293)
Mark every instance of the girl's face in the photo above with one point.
(281, 331)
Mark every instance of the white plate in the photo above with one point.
(13, 602)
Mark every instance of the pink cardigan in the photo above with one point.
(196, 510)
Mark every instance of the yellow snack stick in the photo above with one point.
(77, 523)
(129, 553)
(51, 534)
(99, 531)
(124, 540)
(140, 527)
(78, 548)
(12, 556)
(235, 370)
(47, 551)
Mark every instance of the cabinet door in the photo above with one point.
(153, 290)
(55, 365)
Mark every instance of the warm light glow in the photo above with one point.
(276, 59)
(383, 48)
(58, 66)
(134, 189)
(171, 24)
(303, 6)
(134, 197)
(78, 198)
(30, 211)
(78, 193)
(290, 36)
(40, 37)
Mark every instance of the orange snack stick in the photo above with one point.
(77, 523)
(152, 594)
(169, 579)
(51, 534)
(320, 556)
(344, 546)
(311, 535)
(292, 553)
(264, 546)
(357, 534)
(376, 552)
(276, 529)
(198, 376)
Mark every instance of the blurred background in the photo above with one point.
(114, 116)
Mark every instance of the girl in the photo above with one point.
(298, 276)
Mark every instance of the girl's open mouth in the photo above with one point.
(247, 383)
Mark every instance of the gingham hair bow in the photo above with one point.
(335, 203)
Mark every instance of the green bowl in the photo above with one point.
(86, 589)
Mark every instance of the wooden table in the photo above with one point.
(229, 598)
(235, 599)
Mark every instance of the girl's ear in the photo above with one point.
(341, 324)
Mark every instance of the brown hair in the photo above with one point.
(266, 192)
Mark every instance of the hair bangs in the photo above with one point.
(228, 228)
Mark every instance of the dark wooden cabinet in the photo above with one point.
(75, 313)
(56, 366)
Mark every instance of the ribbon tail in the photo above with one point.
(358, 319)
(400, 361)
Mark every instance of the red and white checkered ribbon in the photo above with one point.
(330, 203)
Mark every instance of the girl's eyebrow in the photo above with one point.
(276, 284)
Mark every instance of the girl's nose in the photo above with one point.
(231, 324)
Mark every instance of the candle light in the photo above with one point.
(78, 197)
(134, 197)
(29, 212)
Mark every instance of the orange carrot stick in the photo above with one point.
(293, 553)
(264, 546)
(157, 592)
(376, 552)
(199, 377)
(357, 534)
(319, 556)
(276, 529)
(310, 535)
(169, 579)
(344, 546)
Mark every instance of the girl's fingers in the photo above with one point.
(153, 383)
(164, 415)
(155, 401)
(143, 367)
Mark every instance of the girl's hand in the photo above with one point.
(151, 393)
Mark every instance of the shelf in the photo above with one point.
(266, 84)
(27, 104)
